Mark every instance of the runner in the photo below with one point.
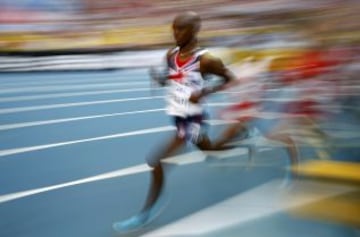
(187, 66)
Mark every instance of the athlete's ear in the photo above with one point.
(197, 27)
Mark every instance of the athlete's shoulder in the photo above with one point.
(171, 51)
(201, 51)
(210, 64)
(208, 60)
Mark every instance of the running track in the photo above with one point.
(72, 151)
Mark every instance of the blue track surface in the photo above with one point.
(56, 128)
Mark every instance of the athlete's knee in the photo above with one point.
(152, 162)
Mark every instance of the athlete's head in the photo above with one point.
(185, 27)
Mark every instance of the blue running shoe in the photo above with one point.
(142, 219)
(132, 224)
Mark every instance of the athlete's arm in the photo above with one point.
(161, 76)
(213, 65)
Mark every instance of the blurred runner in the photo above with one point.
(285, 106)
(313, 79)
(187, 65)
(258, 107)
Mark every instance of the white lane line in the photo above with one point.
(56, 106)
(186, 158)
(200, 156)
(72, 94)
(70, 76)
(61, 95)
(73, 119)
(82, 93)
(71, 87)
(231, 152)
(122, 172)
(261, 201)
(55, 81)
(13, 151)
(64, 120)
(182, 159)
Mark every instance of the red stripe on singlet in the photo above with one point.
(176, 77)
(180, 62)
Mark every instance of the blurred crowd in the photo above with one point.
(29, 25)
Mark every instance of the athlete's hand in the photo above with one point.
(195, 97)
(153, 74)
(157, 76)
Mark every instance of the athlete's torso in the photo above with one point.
(184, 79)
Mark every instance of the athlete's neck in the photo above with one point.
(189, 48)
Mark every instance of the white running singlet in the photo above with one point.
(184, 79)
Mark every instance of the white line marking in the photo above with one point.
(13, 151)
(71, 87)
(61, 95)
(72, 94)
(112, 136)
(54, 81)
(64, 120)
(182, 159)
(200, 156)
(261, 201)
(55, 106)
(187, 158)
(229, 153)
(122, 172)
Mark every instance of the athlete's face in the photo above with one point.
(184, 31)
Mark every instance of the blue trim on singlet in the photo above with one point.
(172, 60)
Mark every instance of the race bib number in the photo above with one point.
(180, 95)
